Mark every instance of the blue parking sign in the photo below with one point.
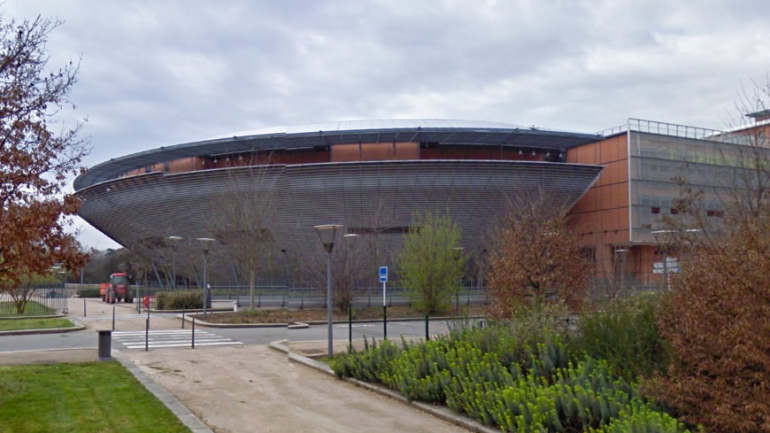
(383, 274)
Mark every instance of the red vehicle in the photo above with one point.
(117, 289)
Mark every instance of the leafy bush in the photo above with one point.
(518, 376)
(642, 419)
(89, 293)
(429, 265)
(369, 365)
(178, 300)
(625, 334)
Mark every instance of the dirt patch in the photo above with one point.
(311, 315)
(256, 389)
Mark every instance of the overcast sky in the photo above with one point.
(156, 73)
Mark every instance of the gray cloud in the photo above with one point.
(159, 73)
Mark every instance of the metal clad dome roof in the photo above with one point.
(352, 131)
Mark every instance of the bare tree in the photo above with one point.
(350, 268)
(244, 218)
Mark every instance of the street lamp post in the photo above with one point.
(206, 244)
(328, 233)
(173, 258)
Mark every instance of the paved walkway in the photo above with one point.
(256, 389)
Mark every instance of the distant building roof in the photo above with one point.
(760, 115)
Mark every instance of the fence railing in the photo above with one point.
(42, 301)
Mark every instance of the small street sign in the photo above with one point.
(671, 266)
(383, 274)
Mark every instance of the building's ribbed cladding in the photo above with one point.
(362, 196)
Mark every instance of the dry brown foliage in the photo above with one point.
(535, 257)
(35, 161)
(717, 317)
(717, 320)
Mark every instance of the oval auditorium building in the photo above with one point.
(371, 176)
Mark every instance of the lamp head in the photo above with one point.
(206, 243)
(328, 233)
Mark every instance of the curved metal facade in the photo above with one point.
(137, 209)
(323, 135)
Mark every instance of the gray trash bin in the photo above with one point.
(105, 345)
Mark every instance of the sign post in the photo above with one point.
(668, 266)
(384, 281)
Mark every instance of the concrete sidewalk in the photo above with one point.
(256, 389)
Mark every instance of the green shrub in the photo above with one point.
(642, 420)
(519, 377)
(625, 334)
(178, 300)
(89, 293)
(578, 398)
(369, 365)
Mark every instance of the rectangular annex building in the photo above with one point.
(646, 165)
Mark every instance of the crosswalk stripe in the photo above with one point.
(154, 332)
(186, 344)
(170, 338)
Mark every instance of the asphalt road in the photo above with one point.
(99, 316)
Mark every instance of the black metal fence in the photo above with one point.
(302, 297)
(42, 301)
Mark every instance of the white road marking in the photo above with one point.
(170, 338)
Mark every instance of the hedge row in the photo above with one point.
(89, 293)
(179, 300)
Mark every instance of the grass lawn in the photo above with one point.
(8, 309)
(21, 324)
(319, 314)
(87, 397)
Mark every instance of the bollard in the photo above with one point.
(193, 332)
(113, 317)
(184, 310)
(350, 327)
(147, 335)
(84, 307)
(427, 331)
(385, 321)
(105, 345)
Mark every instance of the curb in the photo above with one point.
(175, 406)
(78, 327)
(49, 316)
(297, 325)
(235, 325)
(441, 412)
(399, 319)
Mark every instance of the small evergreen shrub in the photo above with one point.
(369, 365)
(625, 334)
(89, 293)
(178, 300)
(516, 376)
